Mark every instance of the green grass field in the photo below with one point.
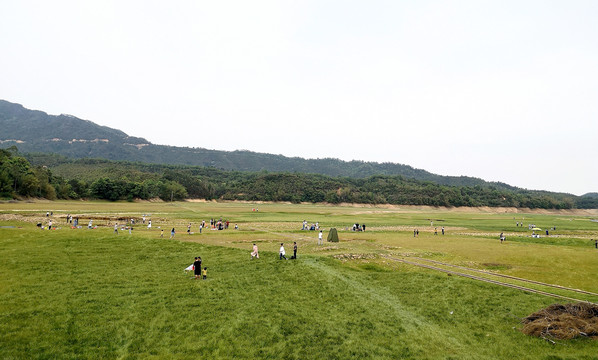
(81, 293)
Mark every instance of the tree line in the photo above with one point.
(64, 178)
(19, 178)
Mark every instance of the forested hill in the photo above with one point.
(36, 131)
(55, 177)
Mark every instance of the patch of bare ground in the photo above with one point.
(397, 208)
(563, 321)
(410, 228)
(479, 209)
(345, 257)
(83, 218)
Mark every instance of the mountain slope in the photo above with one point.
(36, 131)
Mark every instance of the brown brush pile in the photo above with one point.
(566, 321)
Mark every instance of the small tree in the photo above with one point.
(332, 235)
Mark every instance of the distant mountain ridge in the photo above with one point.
(36, 131)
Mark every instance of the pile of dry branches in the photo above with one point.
(566, 321)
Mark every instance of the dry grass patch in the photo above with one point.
(561, 322)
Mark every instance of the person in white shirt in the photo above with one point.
(320, 240)
(282, 252)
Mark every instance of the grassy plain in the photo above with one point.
(80, 293)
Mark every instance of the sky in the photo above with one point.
(500, 90)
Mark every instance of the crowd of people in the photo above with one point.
(220, 224)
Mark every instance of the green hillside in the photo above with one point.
(36, 131)
(113, 180)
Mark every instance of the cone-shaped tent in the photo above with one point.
(333, 235)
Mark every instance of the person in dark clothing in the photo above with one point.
(197, 267)
(294, 250)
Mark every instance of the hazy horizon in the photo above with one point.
(499, 90)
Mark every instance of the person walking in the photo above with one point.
(255, 253)
(172, 232)
(320, 238)
(294, 250)
(281, 252)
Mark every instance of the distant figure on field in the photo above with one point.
(149, 224)
(189, 229)
(50, 225)
(502, 237)
(116, 228)
(89, 226)
(255, 253)
(320, 239)
(162, 233)
(172, 232)
(205, 273)
(596, 243)
(294, 250)
(443, 230)
(435, 231)
(281, 252)
(413, 232)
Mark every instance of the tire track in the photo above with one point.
(508, 277)
(479, 278)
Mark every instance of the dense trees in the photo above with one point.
(18, 178)
(109, 180)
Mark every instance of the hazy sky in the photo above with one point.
(501, 90)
